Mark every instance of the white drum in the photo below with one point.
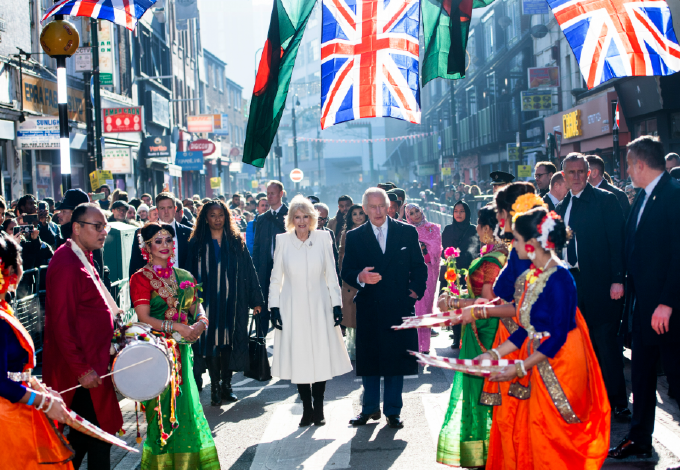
(147, 380)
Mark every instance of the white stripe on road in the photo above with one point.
(435, 413)
(242, 382)
(406, 377)
(285, 446)
(266, 387)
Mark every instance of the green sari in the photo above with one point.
(190, 446)
(464, 438)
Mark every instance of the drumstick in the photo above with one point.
(111, 373)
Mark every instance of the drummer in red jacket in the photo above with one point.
(78, 331)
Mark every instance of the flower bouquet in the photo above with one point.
(453, 275)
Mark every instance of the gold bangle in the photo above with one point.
(472, 313)
(449, 300)
(494, 352)
(520, 369)
(485, 313)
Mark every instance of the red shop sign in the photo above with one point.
(122, 119)
(203, 145)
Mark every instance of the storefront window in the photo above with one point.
(646, 127)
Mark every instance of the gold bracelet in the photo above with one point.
(448, 302)
(520, 369)
(494, 352)
(472, 313)
(485, 313)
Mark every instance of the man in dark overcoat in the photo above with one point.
(267, 226)
(384, 262)
(652, 312)
(595, 259)
(596, 178)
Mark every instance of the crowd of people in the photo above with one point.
(559, 274)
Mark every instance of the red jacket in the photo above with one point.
(78, 333)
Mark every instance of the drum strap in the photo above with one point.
(95, 277)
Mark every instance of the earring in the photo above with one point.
(531, 251)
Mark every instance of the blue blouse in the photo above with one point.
(504, 287)
(554, 311)
(12, 359)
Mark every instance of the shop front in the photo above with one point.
(587, 128)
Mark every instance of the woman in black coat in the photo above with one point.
(459, 234)
(219, 260)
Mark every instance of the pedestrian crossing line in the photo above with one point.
(263, 387)
(285, 446)
(242, 382)
(406, 377)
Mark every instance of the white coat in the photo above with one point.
(304, 286)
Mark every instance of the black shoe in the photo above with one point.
(362, 419)
(228, 395)
(307, 414)
(199, 383)
(455, 345)
(434, 333)
(215, 395)
(395, 422)
(319, 418)
(628, 448)
(622, 415)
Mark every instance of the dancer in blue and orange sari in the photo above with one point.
(563, 421)
(29, 440)
(166, 298)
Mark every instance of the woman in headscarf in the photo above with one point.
(430, 238)
(220, 261)
(461, 234)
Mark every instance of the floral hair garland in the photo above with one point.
(7, 280)
(162, 272)
(546, 226)
(525, 203)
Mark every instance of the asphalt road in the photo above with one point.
(260, 431)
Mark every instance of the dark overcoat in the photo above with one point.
(620, 196)
(380, 350)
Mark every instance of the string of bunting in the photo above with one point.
(363, 141)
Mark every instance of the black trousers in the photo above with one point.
(608, 350)
(643, 377)
(218, 366)
(98, 452)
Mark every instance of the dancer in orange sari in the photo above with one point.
(29, 441)
(563, 420)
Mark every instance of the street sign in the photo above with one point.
(513, 153)
(203, 145)
(83, 59)
(446, 171)
(536, 100)
(558, 140)
(296, 175)
(523, 171)
(535, 7)
(215, 183)
(189, 161)
(128, 119)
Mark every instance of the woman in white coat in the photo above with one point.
(306, 308)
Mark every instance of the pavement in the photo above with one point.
(260, 431)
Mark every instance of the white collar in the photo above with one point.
(576, 195)
(650, 187)
(375, 227)
(598, 184)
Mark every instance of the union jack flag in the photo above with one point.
(122, 12)
(369, 60)
(619, 38)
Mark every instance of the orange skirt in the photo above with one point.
(565, 421)
(28, 440)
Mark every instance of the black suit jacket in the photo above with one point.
(620, 196)
(267, 227)
(335, 250)
(652, 258)
(183, 232)
(548, 201)
(597, 222)
(380, 349)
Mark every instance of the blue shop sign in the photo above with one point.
(189, 161)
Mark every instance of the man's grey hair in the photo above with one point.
(375, 192)
(576, 157)
(321, 205)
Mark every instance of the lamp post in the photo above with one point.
(60, 40)
(296, 102)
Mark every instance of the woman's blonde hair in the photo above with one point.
(304, 205)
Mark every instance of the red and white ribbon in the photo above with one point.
(483, 368)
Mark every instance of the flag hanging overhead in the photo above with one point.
(619, 38)
(288, 22)
(369, 60)
(122, 12)
(446, 26)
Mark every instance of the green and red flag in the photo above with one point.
(288, 22)
(446, 25)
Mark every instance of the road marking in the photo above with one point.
(665, 434)
(242, 382)
(285, 446)
(265, 387)
(406, 377)
(435, 413)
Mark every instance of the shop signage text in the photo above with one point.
(38, 133)
(203, 145)
(202, 123)
(189, 161)
(157, 146)
(536, 100)
(571, 124)
(544, 76)
(100, 178)
(122, 119)
(117, 160)
(40, 95)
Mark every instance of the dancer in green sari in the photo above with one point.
(464, 438)
(166, 298)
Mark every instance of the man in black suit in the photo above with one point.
(595, 258)
(672, 161)
(267, 227)
(384, 262)
(652, 261)
(596, 178)
(323, 210)
(558, 190)
(165, 202)
(543, 173)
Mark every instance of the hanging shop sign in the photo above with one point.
(215, 183)
(221, 124)
(203, 145)
(106, 56)
(157, 146)
(202, 123)
(543, 76)
(40, 95)
(38, 133)
(189, 161)
(536, 100)
(571, 124)
(127, 119)
(118, 160)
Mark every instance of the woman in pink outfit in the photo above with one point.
(430, 238)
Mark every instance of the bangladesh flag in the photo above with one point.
(446, 24)
(288, 22)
